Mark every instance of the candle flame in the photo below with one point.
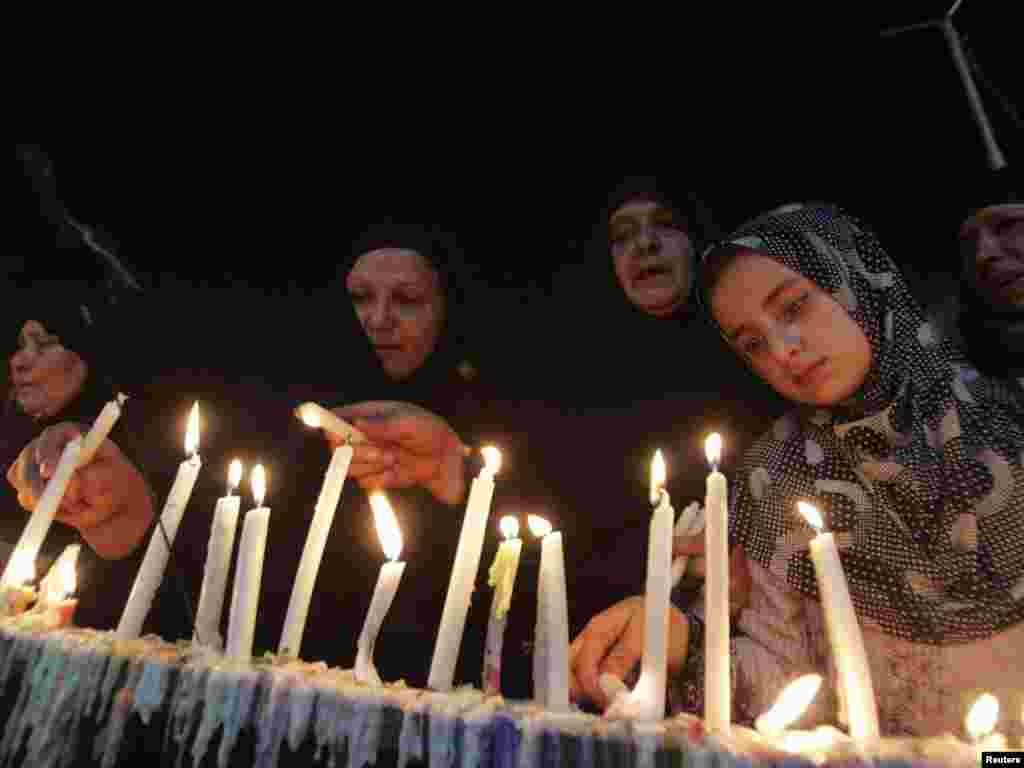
(539, 527)
(492, 458)
(713, 448)
(811, 515)
(387, 526)
(983, 716)
(258, 478)
(790, 705)
(310, 415)
(62, 581)
(234, 474)
(192, 433)
(509, 526)
(658, 473)
(23, 567)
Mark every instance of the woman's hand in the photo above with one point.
(407, 446)
(613, 642)
(106, 499)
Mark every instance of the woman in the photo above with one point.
(59, 382)
(991, 311)
(915, 459)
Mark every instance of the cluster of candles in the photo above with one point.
(646, 701)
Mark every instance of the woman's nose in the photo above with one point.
(22, 360)
(381, 315)
(787, 345)
(647, 239)
(987, 250)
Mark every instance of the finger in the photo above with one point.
(368, 410)
(362, 468)
(379, 481)
(372, 454)
(600, 634)
(392, 429)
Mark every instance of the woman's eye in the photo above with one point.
(358, 298)
(793, 309)
(408, 299)
(752, 345)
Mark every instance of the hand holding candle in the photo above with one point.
(467, 562)
(502, 576)
(843, 631)
(249, 573)
(151, 572)
(718, 691)
(384, 593)
(56, 603)
(647, 700)
(101, 428)
(218, 562)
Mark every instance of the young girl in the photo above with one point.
(913, 457)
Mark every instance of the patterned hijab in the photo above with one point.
(919, 474)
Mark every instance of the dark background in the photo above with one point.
(234, 208)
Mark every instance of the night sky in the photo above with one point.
(232, 220)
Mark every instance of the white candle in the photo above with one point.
(464, 570)
(318, 417)
(551, 640)
(313, 551)
(151, 572)
(502, 576)
(844, 632)
(218, 562)
(384, 593)
(717, 690)
(249, 572)
(647, 700)
(101, 428)
(41, 519)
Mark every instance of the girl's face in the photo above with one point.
(653, 257)
(45, 376)
(398, 299)
(794, 335)
(995, 240)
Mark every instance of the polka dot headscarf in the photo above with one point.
(919, 474)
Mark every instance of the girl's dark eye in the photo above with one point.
(358, 298)
(752, 345)
(408, 300)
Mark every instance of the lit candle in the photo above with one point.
(56, 603)
(467, 562)
(249, 572)
(384, 593)
(502, 576)
(46, 509)
(101, 428)
(647, 700)
(17, 593)
(791, 704)
(981, 722)
(844, 632)
(318, 417)
(151, 572)
(218, 562)
(551, 637)
(313, 551)
(718, 693)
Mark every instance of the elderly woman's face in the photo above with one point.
(397, 296)
(45, 376)
(653, 256)
(994, 238)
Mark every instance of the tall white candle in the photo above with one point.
(502, 576)
(843, 632)
(151, 572)
(318, 417)
(101, 428)
(647, 700)
(249, 573)
(717, 690)
(41, 519)
(218, 562)
(313, 551)
(551, 642)
(384, 593)
(463, 577)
